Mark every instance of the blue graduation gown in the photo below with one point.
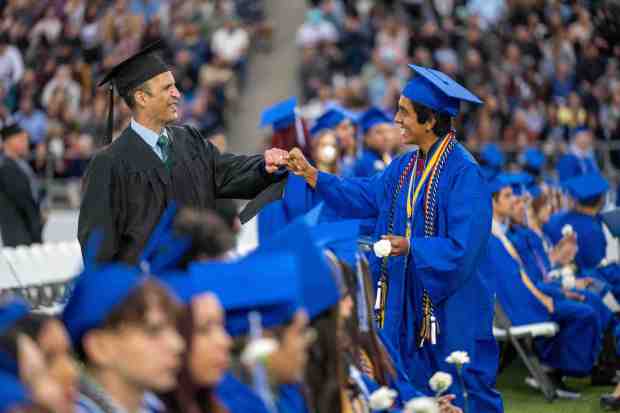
(369, 163)
(536, 263)
(570, 165)
(298, 199)
(590, 236)
(574, 349)
(445, 265)
(239, 398)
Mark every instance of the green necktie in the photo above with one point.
(164, 144)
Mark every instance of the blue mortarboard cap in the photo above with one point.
(586, 187)
(339, 237)
(535, 191)
(319, 288)
(372, 117)
(12, 393)
(498, 183)
(280, 115)
(534, 159)
(329, 120)
(164, 248)
(519, 182)
(492, 156)
(437, 91)
(275, 288)
(95, 295)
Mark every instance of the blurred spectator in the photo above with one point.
(32, 120)
(11, 63)
(63, 90)
(230, 43)
(315, 30)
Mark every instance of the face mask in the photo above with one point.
(328, 154)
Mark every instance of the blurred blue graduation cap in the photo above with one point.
(275, 290)
(533, 159)
(340, 237)
(586, 187)
(319, 288)
(519, 181)
(373, 117)
(330, 119)
(11, 311)
(498, 183)
(492, 155)
(95, 294)
(164, 248)
(281, 115)
(437, 91)
(535, 191)
(612, 220)
(13, 393)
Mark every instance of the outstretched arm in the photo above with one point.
(348, 197)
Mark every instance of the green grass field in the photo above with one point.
(519, 398)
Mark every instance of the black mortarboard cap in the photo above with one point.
(130, 73)
(9, 129)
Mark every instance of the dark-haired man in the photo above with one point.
(433, 207)
(129, 184)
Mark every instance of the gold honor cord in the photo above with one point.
(542, 297)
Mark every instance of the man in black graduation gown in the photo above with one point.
(20, 216)
(129, 183)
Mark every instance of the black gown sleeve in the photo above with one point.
(237, 176)
(16, 187)
(96, 211)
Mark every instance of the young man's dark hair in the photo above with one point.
(443, 122)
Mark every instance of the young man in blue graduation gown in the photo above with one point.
(375, 157)
(588, 192)
(433, 206)
(574, 350)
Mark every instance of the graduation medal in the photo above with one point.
(432, 171)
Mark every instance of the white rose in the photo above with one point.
(382, 248)
(568, 282)
(567, 271)
(604, 262)
(422, 405)
(567, 230)
(258, 350)
(379, 165)
(458, 357)
(382, 398)
(440, 382)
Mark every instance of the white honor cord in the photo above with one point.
(433, 330)
(356, 375)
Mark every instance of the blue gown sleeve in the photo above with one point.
(567, 167)
(443, 264)
(352, 197)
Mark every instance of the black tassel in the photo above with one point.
(110, 129)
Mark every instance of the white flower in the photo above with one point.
(382, 248)
(568, 271)
(379, 165)
(568, 282)
(422, 405)
(440, 382)
(567, 230)
(258, 350)
(604, 262)
(458, 357)
(382, 398)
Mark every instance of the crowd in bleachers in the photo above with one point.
(53, 53)
(541, 67)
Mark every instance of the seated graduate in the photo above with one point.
(574, 350)
(276, 299)
(341, 123)
(579, 160)
(375, 156)
(532, 162)
(118, 318)
(35, 349)
(588, 192)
